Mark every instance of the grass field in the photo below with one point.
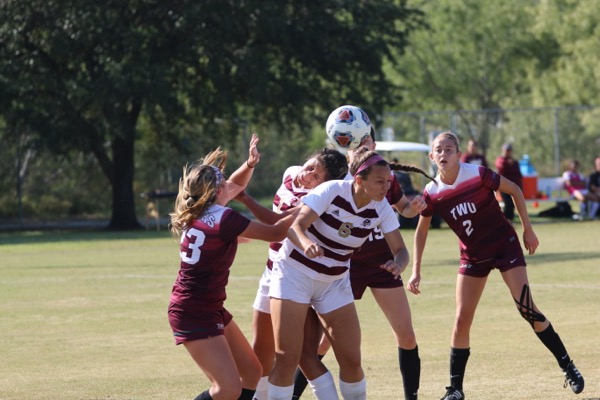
(83, 316)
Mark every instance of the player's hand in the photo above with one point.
(413, 283)
(393, 268)
(417, 204)
(313, 250)
(530, 241)
(253, 153)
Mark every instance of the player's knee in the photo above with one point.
(527, 308)
(229, 390)
(286, 361)
(350, 361)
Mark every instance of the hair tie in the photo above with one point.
(218, 175)
(369, 162)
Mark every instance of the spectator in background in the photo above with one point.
(472, 156)
(508, 167)
(594, 187)
(576, 184)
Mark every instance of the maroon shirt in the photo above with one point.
(509, 168)
(471, 210)
(207, 250)
(477, 159)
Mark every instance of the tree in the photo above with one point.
(81, 73)
(474, 56)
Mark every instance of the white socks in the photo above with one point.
(262, 389)
(354, 391)
(324, 387)
(280, 392)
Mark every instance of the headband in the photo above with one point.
(218, 175)
(369, 162)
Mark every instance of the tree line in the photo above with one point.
(103, 101)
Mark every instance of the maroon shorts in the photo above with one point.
(196, 325)
(363, 276)
(511, 257)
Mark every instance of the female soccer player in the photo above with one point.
(311, 269)
(463, 195)
(209, 233)
(297, 181)
(387, 291)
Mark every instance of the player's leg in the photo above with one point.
(518, 284)
(394, 304)
(468, 294)
(262, 339)
(288, 319)
(215, 359)
(247, 363)
(344, 333)
(263, 345)
(311, 366)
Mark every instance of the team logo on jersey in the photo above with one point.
(209, 220)
(366, 222)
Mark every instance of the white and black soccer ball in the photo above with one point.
(347, 126)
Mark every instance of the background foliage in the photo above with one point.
(100, 102)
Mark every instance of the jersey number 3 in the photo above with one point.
(192, 255)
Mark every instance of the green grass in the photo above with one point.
(83, 316)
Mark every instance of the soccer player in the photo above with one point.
(387, 291)
(297, 181)
(312, 269)
(209, 233)
(463, 195)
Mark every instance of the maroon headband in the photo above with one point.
(370, 161)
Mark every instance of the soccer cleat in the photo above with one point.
(573, 378)
(453, 394)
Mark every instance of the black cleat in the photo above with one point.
(573, 378)
(453, 394)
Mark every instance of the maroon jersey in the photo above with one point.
(477, 159)
(471, 210)
(207, 250)
(509, 168)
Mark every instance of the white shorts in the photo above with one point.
(261, 301)
(289, 283)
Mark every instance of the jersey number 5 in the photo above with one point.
(192, 256)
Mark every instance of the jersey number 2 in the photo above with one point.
(468, 227)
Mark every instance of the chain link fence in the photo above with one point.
(551, 136)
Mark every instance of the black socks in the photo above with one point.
(410, 368)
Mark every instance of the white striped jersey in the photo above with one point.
(340, 230)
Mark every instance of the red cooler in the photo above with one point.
(530, 187)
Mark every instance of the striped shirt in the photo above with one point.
(287, 197)
(340, 230)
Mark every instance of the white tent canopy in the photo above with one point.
(401, 146)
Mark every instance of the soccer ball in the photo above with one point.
(347, 126)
